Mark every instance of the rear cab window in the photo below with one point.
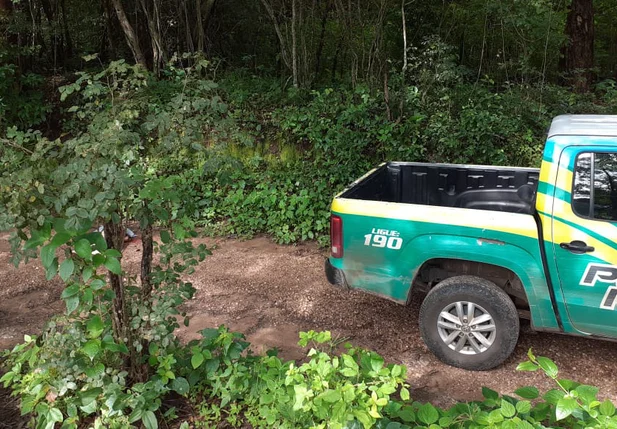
(597, 201)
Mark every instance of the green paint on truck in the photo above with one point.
(490, 244)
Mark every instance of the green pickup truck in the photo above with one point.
(490, 245)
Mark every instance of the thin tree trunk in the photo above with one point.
(68, 42)
(154, 27)
(129, 33)
(203, 18)
(114, 236)
(146, 261)
(322, 37)
(201, 37)
(404, 69)
(294, 48)
(187, 27)
(279, 33)
(579, 48)
(107, 41)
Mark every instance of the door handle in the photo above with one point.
(577, 246)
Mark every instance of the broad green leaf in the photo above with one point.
(553, 396)
(587, 393)
(113, 265)
(527, 366)
(165, 236)
(97, 284)
(528, 392)
(180, 386)
(149, 420)
(66, 269)
(495, 416)
(72, 303)
(404, 394)
(406, 414)
(90, 395)
(197, 359)
(55, 415)
(565, 407)
(98, 260)
(397, 370)
(70, 291)
(331, 396)
(48, 253)
(377, 363)
(489, 393)
(87, 273)
(119, 348)
(52, 269)
(83, 249)
(96, 370)
(95, 326)
(548, 366)
(349, 372)
(97, 239)
(112, 253)
(427, 414)
(60, 239)
(364, 418)
(607, 408)
(507, 409)
(88, 296)
(523, 407)
(91, 348)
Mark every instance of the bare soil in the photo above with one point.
(271, 293)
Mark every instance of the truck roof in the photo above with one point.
(584, 125)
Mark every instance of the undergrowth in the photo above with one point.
(227, 384)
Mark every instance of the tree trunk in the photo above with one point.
(294, 46)
(68, 42)
(107, 41)
(146, 261)
(154, 27)
(203, 17)
(114, 236)
(190, 47)
(129, 33)
(578, 52)
(201, 37)
(279, 33)
(322, 38)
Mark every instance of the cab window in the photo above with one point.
(600, 200)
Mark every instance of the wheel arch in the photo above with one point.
(435, 270)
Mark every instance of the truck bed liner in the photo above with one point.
(508, 189)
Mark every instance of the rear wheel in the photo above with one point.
(469, 322)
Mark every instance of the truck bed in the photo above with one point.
(506, 189)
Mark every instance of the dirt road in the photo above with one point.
(272, 292)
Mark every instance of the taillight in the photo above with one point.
(336, 236)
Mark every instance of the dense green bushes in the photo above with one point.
(225, 383)
(254, 158)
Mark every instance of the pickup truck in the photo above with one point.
(490, 245)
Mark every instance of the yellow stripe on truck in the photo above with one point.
(513, 223)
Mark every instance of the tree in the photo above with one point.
(578, 51)
(55, 192)
(129, 33)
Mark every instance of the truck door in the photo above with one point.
(584, 231)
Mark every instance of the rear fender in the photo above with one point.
(526, 266)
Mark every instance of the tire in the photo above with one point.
(495, 313)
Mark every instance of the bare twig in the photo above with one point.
(16, 146)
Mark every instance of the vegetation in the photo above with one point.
(244, 117)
